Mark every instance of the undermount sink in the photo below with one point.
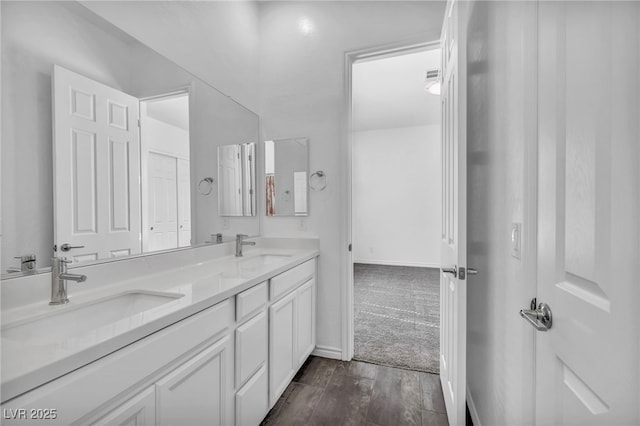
(265, 259)
(89, 320)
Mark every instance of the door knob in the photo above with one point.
(540, 318)
(453, 271)
(67, 247)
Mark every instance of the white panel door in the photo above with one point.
(199, 392)
(230, 177)
(453, 291)
(162, 202)
(96, 168)
(587, 364)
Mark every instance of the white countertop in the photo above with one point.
(27, 365)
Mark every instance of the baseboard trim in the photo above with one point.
(472, 409)
(398, 263)
(327, 352)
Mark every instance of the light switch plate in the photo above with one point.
(516, 239)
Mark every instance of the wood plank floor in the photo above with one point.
(331, 392)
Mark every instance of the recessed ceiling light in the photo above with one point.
(305, 26)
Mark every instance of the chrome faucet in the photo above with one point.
(59, 277)
(240, 242)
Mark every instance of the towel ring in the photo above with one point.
(205, 186)
(318, 181)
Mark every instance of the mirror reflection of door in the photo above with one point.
(230, 175)
(96, 169)
(165, 163)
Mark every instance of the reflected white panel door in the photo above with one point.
(184, 203)
(453, 291)
(230, 176)
(96, 168)
(587, 363)
(163, 202)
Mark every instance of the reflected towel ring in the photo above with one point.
(205, 186)
(318, 181)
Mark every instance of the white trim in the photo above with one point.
(327, 352)
(423, 41)
(397, 263)
(472, 409)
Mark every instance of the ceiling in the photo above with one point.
(389, 92)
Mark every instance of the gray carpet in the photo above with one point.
(397, 316)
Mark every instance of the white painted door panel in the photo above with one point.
(162, 202)
(230, 176)
(453, 292)
(200, 391)
(96, 168)
(587, 368)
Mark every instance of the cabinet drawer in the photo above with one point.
(252, 401)
(251, 300)
(251, 347)
(281, 284)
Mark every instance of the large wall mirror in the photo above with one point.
(131, 165)
(286, 177)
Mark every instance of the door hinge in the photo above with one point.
(350, 247)
(139, 125)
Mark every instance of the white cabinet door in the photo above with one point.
(200, 391)
(283, 358)
(306, 324)
(138, 411)
(252, 401)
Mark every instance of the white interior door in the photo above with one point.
(453, 292)
(162, 202)
(96, 169)
(587, 364)
(230, 176)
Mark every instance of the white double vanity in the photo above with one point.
(191, 337)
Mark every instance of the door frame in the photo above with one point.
(186, 90)
(422, 42)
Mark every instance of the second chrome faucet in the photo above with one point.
(240, 242)
(59, 277)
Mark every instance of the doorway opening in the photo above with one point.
(396, 202)
(165, 163)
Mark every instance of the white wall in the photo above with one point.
(216, 41)
(303, 94)
(501, 127)
(31, 43)
(397, 197)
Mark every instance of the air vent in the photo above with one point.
(431, 75)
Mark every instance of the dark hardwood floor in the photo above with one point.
(331, 392)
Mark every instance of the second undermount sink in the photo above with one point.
(265, 259)
(102, 318)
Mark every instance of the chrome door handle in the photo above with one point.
(453, 271)
(67, 247)
(540, 318)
